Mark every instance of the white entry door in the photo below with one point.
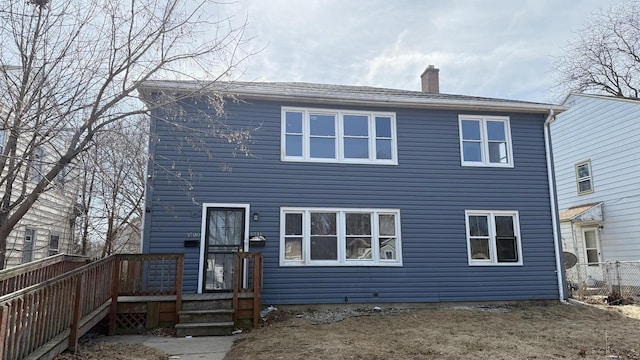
(591, 238)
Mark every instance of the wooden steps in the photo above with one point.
(205, 318)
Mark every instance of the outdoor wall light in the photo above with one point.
(255, 216)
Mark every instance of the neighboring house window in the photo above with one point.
(583, 177)
(338, 136)
(3, 140)
(37, 164)
(340, 237)
(591, 246)
(493, 238)
(485, 141)
(54, 244)
(29, 245)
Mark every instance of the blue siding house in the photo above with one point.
(360, 194)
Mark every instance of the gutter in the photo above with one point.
(552, 198)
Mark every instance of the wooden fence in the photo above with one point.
(25, 275)
(41, 321)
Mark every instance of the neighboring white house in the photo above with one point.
(48, 227)
(596, 149)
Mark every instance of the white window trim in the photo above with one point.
(339, 136)
(492, 237)
(579, 179)
(57, 250)
(484, 152)
(340, 222)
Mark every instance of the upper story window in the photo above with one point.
(485, 141)
(493, 238)
(338, 136)
(340, 237)
(37, 165)
(583, 177)
(54, 244)
(29, 244)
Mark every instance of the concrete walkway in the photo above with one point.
(205, 347)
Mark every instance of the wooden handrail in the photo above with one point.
(25, 275)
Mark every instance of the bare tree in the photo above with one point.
(605, 56)
(70, 69)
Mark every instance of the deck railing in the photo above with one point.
(35, 272)
(248, 281)
(42, 320)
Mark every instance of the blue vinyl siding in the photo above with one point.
(429, 186)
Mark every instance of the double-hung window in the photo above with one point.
(493, 238)
(37, 165)
(29, 244)
(485, 141)
(323, 135)
(583, 177)
(54, 244)
(340, 237)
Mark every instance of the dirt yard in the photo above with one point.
(97, 350)
(524, 331)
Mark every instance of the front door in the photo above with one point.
(224, 235)
(592, 246)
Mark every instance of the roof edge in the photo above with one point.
(513, 105)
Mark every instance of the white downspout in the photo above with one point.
(552, 198)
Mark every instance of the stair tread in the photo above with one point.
(199, 325)
(200, 312)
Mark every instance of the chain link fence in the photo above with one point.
(613, 283)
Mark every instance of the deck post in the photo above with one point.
(237, 279)
(115, 281)
(4, 317)
(77, 313)
(257, 264)
(178, 282)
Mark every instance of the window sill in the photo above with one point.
(344, 161)
(334, 264)
(494, 264)
(475, 164)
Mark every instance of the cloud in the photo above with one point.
(494, 48)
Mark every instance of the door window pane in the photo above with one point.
(590, 239)
(592, 256)
(226, 227)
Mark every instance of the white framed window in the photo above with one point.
(493, 237)
(37, 165)
(54, 244)
(339, 237)
(3, 140)
(29, 245)
(584, 181)
(485, 141)
(322, 135)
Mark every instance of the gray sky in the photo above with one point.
(499, 48)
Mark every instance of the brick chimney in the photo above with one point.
(430, 80)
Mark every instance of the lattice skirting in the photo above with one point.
(131, 321)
